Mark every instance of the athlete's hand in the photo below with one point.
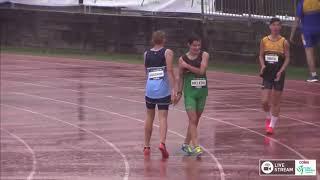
(278, 76)
(183, 64)
(178, 97)
(173, 97)
(262, 70)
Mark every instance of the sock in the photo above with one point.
(268, 115)
(273, 121)
(313, 74)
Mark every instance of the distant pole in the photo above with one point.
(80, 5)
(249, 9)
(202, 7)
(221, 5)
(295, 7)
(142, 3)
(249, 12)
(204, 27)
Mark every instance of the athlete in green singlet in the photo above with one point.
(192, 80)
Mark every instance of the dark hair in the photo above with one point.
(193, 38)
(158, 37)
(275, 19)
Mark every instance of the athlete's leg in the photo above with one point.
(163, 116)
(193, 126)
(265, 100)
(275, 107)
(309, 41)
(190, 105)
(187, 140)
(188, 136)
(276, 95)
(310, 53)
(192, 115)
(201, 103)
(148, 125)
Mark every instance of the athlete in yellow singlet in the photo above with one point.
(274, 59)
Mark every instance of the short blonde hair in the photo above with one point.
(158, 37)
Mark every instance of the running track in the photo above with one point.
(64, 118)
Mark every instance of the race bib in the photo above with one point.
(156, 74)
(272, 58)
(199, 83)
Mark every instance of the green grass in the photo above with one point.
(298, 73)
(69, 53)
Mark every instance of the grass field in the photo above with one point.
(293, 72)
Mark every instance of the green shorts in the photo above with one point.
(195, 103)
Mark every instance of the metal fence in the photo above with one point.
(257, 9)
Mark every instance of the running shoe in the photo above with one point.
(197, 151)
(269, 130)
(146, 151)
(313, 79)
(186, 148)
(164, 152)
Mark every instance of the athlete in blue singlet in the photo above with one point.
(159, 89)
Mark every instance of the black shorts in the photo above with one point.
(276, 85)
(162, 103)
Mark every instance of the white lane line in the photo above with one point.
(126, 163)
(84, 81)
(34, 160)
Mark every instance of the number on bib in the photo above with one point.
(272, 58)
(198, 83)
(156, 74)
